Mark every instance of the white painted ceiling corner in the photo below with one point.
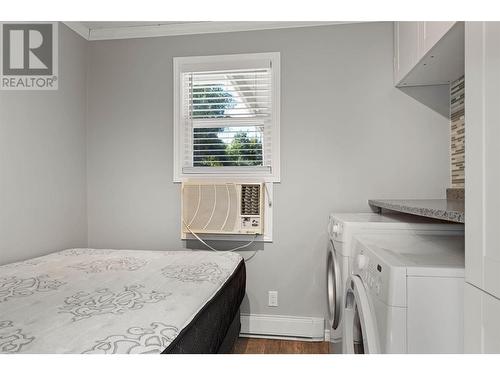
(79, 28)
(130, 30)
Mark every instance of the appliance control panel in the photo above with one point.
(335, 229)
(370, 272)
(384, 280)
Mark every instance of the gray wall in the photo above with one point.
(43, 162)
(347, 135)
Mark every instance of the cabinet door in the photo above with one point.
(491, 153)
(482, 172)
(473, 317)
(430, 33)
(474, 118)
(482, 326)
(405, 48)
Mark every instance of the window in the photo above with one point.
(226, 116)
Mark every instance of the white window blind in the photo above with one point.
(227, 119)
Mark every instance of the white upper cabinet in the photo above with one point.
(428, 53)
(431, 32)
(405, 48)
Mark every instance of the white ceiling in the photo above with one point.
(115, 24)
(106, 30)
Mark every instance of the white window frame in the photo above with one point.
(216, 62)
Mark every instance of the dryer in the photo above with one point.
(405, 295)
(342, 228)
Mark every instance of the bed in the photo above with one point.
(122, 301)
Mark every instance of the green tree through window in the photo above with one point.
(221, 146)
(244, 150)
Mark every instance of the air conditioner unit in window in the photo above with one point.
(222, 208)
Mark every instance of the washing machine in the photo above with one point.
(405, 295)
(342, 228)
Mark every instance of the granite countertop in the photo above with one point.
(442, 209)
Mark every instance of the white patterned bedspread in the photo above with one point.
(106, 301)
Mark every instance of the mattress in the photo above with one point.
(118, 301)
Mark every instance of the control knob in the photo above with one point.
(362, 261)
(336, 228)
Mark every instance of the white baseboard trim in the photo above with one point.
(284, 327)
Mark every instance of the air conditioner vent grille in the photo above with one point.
(250, 200)
(221, 207)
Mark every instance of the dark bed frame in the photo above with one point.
(231, 336)
(216, 327)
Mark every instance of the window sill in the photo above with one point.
(228, 237)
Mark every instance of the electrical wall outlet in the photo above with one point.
(273, 298)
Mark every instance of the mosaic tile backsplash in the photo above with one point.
(457, 115)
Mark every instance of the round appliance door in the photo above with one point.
(360, 330)
(334, 286)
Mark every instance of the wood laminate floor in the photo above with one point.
(268, 346)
